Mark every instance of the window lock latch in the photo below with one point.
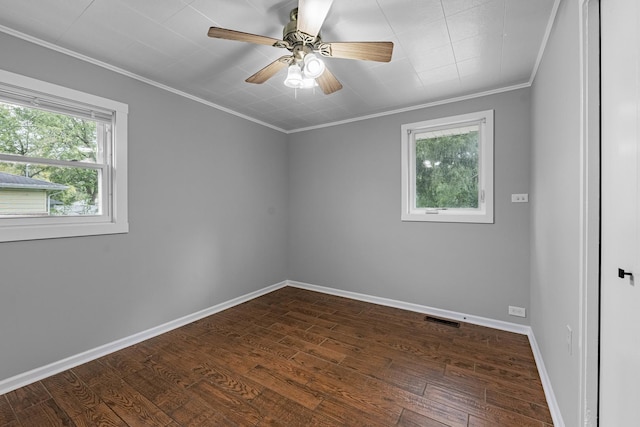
(434, 210)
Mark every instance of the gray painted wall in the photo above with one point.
(344, 221)
(184, 252)
(341, 186)
(555, 187)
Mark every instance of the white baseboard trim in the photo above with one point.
(38, 374)
(556, 416)
(454, 315)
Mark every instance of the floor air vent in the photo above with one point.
(442, 321)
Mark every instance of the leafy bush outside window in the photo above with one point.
(32, 134)
(447, 169)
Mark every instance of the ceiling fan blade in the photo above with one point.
(368, 51)
(270, 70)
(223, 33)
(311, 15)
(328, 82)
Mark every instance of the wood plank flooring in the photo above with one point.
(298, 358)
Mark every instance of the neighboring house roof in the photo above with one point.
(8, 180)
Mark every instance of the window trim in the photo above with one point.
(116, 219)
(484, 213)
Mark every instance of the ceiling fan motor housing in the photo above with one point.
(292, 25)
(299, 43)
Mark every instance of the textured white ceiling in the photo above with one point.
(442, 49)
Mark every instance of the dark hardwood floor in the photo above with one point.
(298, 358)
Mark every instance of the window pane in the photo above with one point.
(34, 132)
(447, 168)
(40, 190)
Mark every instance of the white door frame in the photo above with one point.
(589, 210)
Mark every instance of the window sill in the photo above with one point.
(449, 215)
(37, 232)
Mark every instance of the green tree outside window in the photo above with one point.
(37, 133)
(447, 171)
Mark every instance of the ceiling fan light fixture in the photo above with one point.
(313, 66)
(294, 77)
(301, 37)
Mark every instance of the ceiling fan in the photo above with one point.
(301, 37)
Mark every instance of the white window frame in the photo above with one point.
(484, 212)
(114, 217)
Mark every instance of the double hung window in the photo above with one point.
(63, 161)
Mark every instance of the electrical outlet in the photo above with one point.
(520, 198)
(569, 340)
(517, 311)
